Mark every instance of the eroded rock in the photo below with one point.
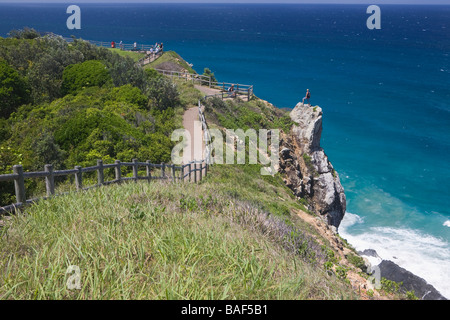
(308, 171)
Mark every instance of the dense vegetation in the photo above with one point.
(70, 104)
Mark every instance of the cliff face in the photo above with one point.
(309, 174)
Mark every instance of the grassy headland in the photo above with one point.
(215, 240)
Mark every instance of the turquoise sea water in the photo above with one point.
(385, 95)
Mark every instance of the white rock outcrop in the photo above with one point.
(309, 173)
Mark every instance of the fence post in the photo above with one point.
(210, 82)
(195, 172)
(78, 178)
(173, 173)
(201, 170)
(163, 170)
(118, 171)
(100, 175)
(49, 180)
(190, 172)
(135, 170)
(19, 184)
(149, 172)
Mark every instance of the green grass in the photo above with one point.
(133, 55)
(170, 56)
(163, 241)
(255, 114)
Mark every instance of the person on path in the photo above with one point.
(231, 92)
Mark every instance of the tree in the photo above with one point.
(207, 73)
(13, 90)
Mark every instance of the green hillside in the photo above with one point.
(167, 241)
(235, 235)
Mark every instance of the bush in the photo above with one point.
(90, 73)
(25, 33)
(13, 90)
(357, 261)
(129, 94)
(163, 93)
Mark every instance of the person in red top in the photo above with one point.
(113, 44)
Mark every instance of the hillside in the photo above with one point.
(166, 241)
(235, 235)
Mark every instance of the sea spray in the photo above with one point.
(422, 254)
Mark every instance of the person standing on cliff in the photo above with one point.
(307, 97)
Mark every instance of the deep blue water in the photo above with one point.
(385, 95)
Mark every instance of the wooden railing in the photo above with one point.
(239, 89)
(124, 46)
(187, 172)
(192, 172)
(149, 58)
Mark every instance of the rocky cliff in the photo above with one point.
(308, 172)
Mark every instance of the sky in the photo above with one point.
(378, 2)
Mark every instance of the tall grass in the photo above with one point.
(157, 241)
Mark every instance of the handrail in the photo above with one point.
(124, 46)
(239, 89)
(19, 176)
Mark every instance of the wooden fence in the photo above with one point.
(149, 58)
(239, 89)
(124, 46)
(192, 172)
(187, 172)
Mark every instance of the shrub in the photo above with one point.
(25, 33)
(390, 286)
(129, 94)
(357, 261)
(163, 93)
(90, 73)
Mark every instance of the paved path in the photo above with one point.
(195, 145)
(207, 91)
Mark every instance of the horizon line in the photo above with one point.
(221, 3)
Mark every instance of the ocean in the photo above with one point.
(385, 96)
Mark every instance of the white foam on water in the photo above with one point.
(447, 223)
(424, 255)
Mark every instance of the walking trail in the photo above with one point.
(195, 145)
